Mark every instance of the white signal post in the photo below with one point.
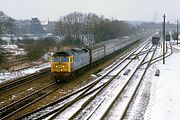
(164, 39)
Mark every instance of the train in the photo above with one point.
(156, 38)
(65, 65)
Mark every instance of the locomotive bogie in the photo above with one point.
(59, 77)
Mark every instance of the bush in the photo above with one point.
(34, 52)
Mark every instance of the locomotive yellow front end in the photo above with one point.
(61, 66)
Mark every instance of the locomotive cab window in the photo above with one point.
(55, 59)
(64, 59)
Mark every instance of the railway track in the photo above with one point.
(98, 90)
(118, 107)
(13, 108)
(83, 92)
(112, 111)
(93, 106)
(126, 95)
(12, 84)
(159, 58)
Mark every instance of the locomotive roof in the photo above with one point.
(71, 52)
(62, 53)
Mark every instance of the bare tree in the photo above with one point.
(76, 26)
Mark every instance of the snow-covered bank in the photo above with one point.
(165, 95)
(20, 73)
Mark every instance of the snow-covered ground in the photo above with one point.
(20, 73)
(4, 76)
(165, 95)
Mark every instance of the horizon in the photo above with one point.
(140, 10)
(43, 21)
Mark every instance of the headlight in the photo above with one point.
(63, 66)
(61, 69)
(56, 66)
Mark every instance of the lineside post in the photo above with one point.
(164, 39)
(177, 33)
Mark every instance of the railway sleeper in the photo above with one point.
(19, 105)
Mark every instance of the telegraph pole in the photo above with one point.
(177, 33)
(164, 39)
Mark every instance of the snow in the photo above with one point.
(20, 73)
(165, 97)
(9, 46)
(5, 75)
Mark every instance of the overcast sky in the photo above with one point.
(146, 10)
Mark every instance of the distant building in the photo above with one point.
(49, 26)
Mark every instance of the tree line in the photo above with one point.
(9, 25)
(74, 26)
